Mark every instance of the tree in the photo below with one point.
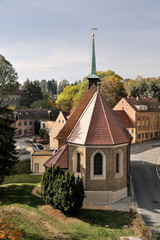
(31, 92)
(62, 85)
(62, 190)
(7, 144)
(8, 78)
(41, 104)
(112, 90)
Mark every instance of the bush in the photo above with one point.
(21, 167)
(62, 190)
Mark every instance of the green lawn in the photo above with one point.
(37, 225)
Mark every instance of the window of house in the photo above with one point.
(139, 136)
(143, 118)
(19, 132)
(98, 167)
(156, 134)
(19, 124)
(151, 126)
(25, 131)
(139, 118)
(62, 121)
(143, 127)
(30, 122)
(59, 121)
(78, 162)
(25, 123)
(147, 118)
(44, 125)
(139, 127)
(146, 135)
(132, 131)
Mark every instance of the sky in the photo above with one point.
(51, 39)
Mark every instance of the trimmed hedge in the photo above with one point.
(62, 190)
(21, 167)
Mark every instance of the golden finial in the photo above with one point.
(93, 31)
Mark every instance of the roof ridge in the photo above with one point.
(106, 119)
(96, 93)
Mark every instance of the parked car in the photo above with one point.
(29, 140)
(37, 146)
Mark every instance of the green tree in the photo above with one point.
(8, 78)
(31, 92)
(62, 85)
(62, 190)
(7, 144)
(41, 104)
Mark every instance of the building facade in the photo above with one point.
(144, 113)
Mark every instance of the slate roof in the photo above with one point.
(59, 157)
(152, 103)
(98, 125)
(39, 114)
(124, 118)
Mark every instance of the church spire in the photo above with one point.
(93, 78)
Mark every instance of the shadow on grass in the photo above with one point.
(115, 219)
(19, 194)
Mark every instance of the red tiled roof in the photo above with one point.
(152, 104)
(122, 115)
(98, 125)
(59, 157)
(63, 134)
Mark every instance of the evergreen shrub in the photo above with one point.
(62, 190)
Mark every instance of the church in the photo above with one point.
(94, 145)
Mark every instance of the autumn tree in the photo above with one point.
(112, 90)
(71, 96)
(8, 78)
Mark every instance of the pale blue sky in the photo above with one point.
(46, 39)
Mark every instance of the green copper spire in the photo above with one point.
(93, 78)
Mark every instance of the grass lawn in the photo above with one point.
(36, 224)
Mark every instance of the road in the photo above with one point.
(146, 182)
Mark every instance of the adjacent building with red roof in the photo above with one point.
(144, 113)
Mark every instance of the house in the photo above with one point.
(12, 98)
(38, 158)
(124, 118)
(144, 113)
(59, 123)
(94, 145)
(28, 121)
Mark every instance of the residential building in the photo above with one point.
(124, 118)
(12, 98)
(28, 121)
(59, 124)
(144, 113)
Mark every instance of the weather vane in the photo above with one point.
(94, 30)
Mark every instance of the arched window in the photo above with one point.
(78, 162)
(117, 163)
(98, 164)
